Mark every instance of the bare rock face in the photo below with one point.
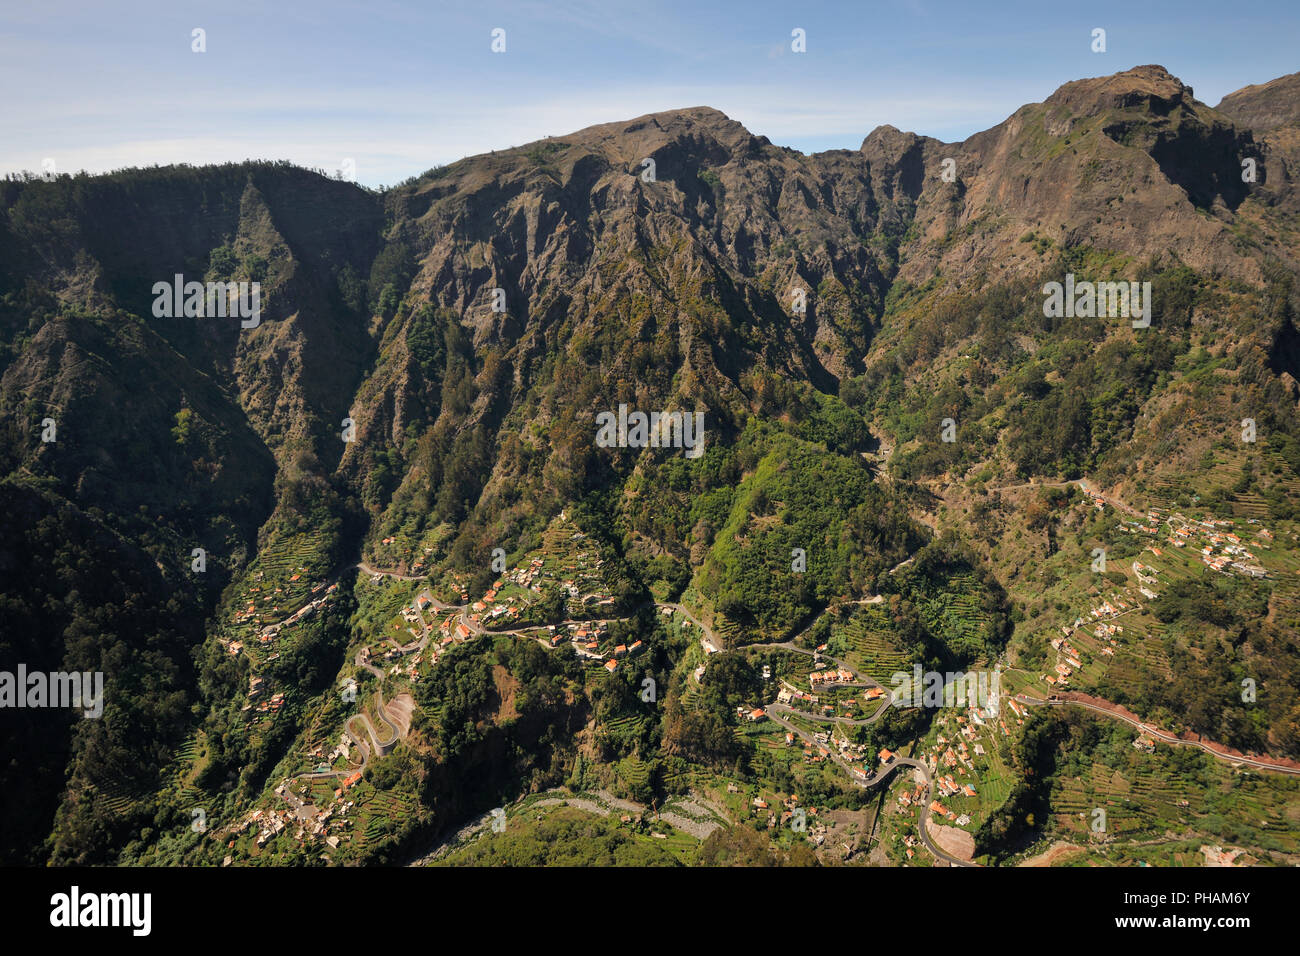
(1151, 89)
(1271, 111)
(1130, 162)
(1265, 107)
(679, 236)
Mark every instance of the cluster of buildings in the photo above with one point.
(587, 639)
(457, 585)
(257, 701)
(256, 689)
(957, 752)
(813, 754)
(308, 609)
(848, 707)
(454, 630)
(524, 576)
(1219, 546)
(411, 669)
(578, 572)
(939, 810)
(343, 749)
(948, 787)
(591, 647)
(1231, 554)
(251, 615)
(849, 753)
(268, 822)
(952, 761)
(830, 675)
(1068, 658)
(960, 741)
(816, 831)
(1098, 500)
(269, 632)
(303, 821)
(788, 695)
(501, 610)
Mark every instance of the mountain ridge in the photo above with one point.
(828, 313)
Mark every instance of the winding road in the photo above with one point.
(776, 712)
(880, 775)
(773, 710)
(361, 565)
(1161, 735)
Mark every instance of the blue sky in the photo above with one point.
(398, 86)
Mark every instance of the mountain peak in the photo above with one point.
(1148, 87)
(1264, 107)
(703, 126)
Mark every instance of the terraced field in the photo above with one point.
(1139, 654)
(1156, 797)
(866, 642)
(380, 809)
(634, 772)
(625, 727)
(955, 613)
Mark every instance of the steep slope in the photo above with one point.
(1129, 162)
(1265, 107)
(1272, 112)
(829, 315)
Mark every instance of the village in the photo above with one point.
(301, 821)
(1219, 546)
(1214, 541)
(265, 633)
(956, 753)
(317, 805)
(423, 628)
